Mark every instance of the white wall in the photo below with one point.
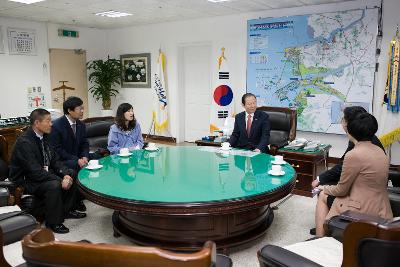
(18, 72)
(229, 32)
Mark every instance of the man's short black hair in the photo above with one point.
(363, 127)
(71, 103)
(246, 95)
(38, 115)
(349, 113)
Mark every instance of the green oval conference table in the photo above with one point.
(179, 197)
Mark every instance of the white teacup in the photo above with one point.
(225, 145)
(276, 169)
(152, 146)
(93, 163)
(124, 151)
(278, 158)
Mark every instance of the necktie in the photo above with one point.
(74, 128)
(46, 160)
(248, 125)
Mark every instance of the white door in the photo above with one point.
(197, 91)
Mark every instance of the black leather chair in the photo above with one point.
(283, 126)
(394, 192)
(97, 130)
(366, 244)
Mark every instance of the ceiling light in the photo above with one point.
(113, 14)
(218, 1)
(26, 1)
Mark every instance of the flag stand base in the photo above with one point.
(159, 137)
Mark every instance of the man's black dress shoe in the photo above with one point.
(81, 206)
(75, 215)
(58, 228)
(313, 231)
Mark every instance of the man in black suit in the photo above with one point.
(68, 136)
(252, 127)
(36, 166)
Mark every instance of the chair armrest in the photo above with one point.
(336, 225)
(15, 225)
(11, 186)
(394, 176)
(271, 255)
(4, 196)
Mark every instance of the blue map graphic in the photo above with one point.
(310, 62)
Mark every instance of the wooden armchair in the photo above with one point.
(283, 126)
(40, 248)
(365, 244)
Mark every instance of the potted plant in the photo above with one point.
(105, 74)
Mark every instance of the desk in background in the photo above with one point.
(308, 165)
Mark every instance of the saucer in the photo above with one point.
(124, 155)
(151, 149)
(94, 167)
(276, 174)
(226, 149)
(278, 162)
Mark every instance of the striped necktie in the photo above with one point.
(73, 126)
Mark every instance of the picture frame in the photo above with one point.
(136, 70)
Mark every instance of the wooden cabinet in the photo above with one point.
(307, 165)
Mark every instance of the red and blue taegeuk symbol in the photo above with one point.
(223, 95)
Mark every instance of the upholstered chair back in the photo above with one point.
(283, 125)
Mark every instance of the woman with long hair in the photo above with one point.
(363, 182)
(126, 132)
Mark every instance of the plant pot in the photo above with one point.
(107, 113)
(106, 104)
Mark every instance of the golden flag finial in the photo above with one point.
(222, 57)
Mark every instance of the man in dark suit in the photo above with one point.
(36, 166)
(68, 136)
(252, 127)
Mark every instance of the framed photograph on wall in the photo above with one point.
(136, 70)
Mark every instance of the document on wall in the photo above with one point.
(21, 41)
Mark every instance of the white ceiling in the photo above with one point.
(81, 12)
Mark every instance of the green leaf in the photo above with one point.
(104, 75)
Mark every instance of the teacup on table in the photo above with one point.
(276, 169)
(124, 151)
(225, 145)
(152, 146)
(279, 159)
(93, 163)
